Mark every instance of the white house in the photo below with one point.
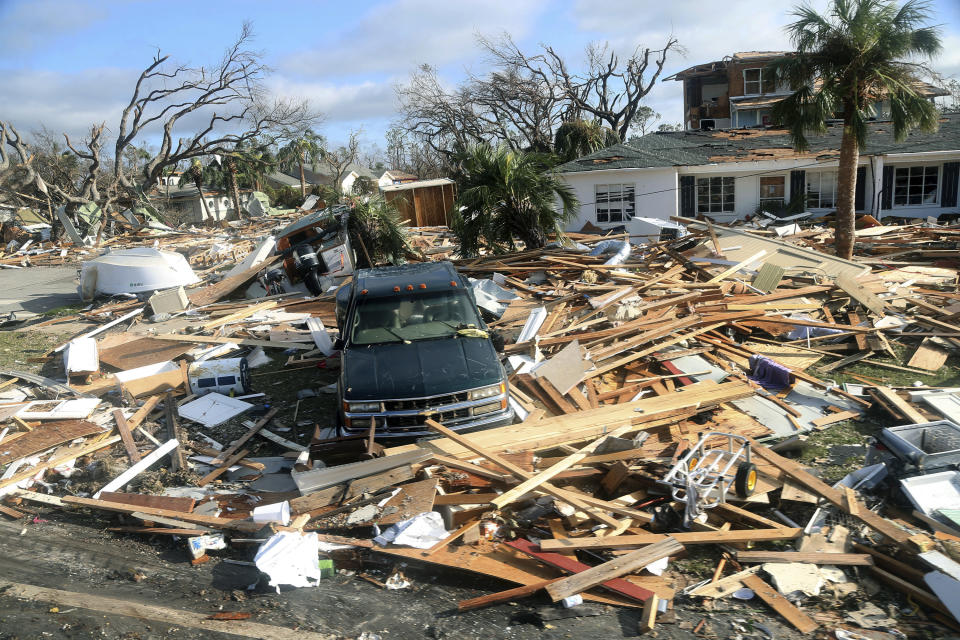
(731, 174)
(185, 206)
(394, 176)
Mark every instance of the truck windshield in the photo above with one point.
(417, 316)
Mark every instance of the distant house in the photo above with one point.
(732, 174)
(323, 176)
(393, 176)
(738, 91)
(184, 202)
(425, 203)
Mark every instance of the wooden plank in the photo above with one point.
(797, 472)
(239, 315)
(125, 436)
(899, 404)
(244, 341)
(571, 565)
(504, 596)
(648, 617)
(170, 531)
(615, 477)
(859, 559)
(137, 418)
(800, 620)
(45, 437)
(740, 265)
(611, 569)
(212, 293)
(861, 294)
(685, 538)
(216, 473)
(242, 440)
(565, 496)
(833, 418)
(209, 521)
(737, 513)
(173, 431)
(536, 480)
(920, 595)
(139, 467)
(929, 356)
(170, 503)
(155, 384)
(140, 352)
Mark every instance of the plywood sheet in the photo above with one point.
(928, 356)
(140, 352)
(45, 437)
(792, 357)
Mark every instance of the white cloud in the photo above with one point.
(340, 102)
(396, 36)
(39, 21)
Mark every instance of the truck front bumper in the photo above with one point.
(403, 424)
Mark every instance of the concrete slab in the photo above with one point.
(31, 291)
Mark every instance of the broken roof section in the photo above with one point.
(709, 68)
(692, 148)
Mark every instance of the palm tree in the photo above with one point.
(308, 148)
(196, 172)
(859, 52)
(505, 195)
(375, 225)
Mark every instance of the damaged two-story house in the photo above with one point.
(730, 163)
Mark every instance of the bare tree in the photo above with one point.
(227, 99)
(339, 160)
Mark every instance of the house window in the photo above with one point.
(821, 189)
(772, 192)
(916, 185)
(756, 82)
(715, 195)
(615, 202)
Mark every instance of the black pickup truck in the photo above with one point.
(414, 347)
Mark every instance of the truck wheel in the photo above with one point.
(746, 480)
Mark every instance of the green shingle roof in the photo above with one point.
(691, 148)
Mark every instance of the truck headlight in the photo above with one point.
(487, 392)
(487, 408)
(363, 407)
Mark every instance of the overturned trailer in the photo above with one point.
(316, 251)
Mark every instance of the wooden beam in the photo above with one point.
(800, 620)
(239, 442)
(504, 596)
(860, 559)
(125, 436)
(244, 341)
(209, 521)
(216, 473)
(685, 538)
(615, 568)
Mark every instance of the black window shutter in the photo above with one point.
(798, 184)
(950, 183)
(887, 199)
(688, 196)
(859, 195)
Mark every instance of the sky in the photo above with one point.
(67, 64)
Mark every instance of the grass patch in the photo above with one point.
(947, 376)
(66, 310)
(17, 347)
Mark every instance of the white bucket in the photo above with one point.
(277, 512)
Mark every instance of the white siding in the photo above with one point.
(655, 193)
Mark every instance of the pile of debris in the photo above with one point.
(650, 384)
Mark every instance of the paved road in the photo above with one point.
(34, 290)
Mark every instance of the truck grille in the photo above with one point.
(395, 423)
(421, 404)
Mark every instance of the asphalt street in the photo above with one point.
(31, 291)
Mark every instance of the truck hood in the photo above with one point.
(419, 369)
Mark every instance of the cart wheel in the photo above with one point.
(746, 479)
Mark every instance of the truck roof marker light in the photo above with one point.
(364, 292)
(423, 285)
(396, 289)
(409, 287)
(453, 283)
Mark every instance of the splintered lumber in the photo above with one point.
(648, 617)
(834, 496)
(370, 484)
(863, 559)
(544, 476)
(125, 436)
(572, 565)
(734, 512)
(889, 396)
(239, 442)
(212, 293)
(740, 265)
(251, 342)
(588, 425)
(504, 596)
(170, 503)
(173, 431)
(565, 496)
(209, 521)
(685, 538)
(161, 615)
(219, 471)
(861, 294)
(46, 437)
(629, 563)
(239, 315)
(800, 620)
